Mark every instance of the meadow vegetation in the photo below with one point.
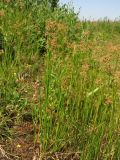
(60, 90)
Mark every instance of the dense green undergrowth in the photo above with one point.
(71, 91)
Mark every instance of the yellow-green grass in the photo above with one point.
(72, 93)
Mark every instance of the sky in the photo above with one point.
(96, 9)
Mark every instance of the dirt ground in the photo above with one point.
(21, 146)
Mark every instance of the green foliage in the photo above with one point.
(72, 91)
(54, 4)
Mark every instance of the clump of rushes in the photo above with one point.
(71, 94)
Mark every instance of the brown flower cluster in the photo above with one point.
(85, 67)
(99, 81)
(112, 48)
(117, 77)
(105, 59)
(51, 26)
(2, 13)
(108, 101)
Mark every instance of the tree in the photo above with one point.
(54, 4)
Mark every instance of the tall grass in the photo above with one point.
(76, 102)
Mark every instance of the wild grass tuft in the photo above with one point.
(71, 92)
